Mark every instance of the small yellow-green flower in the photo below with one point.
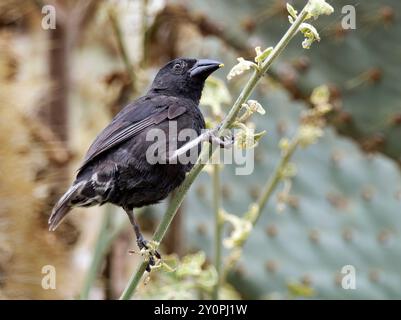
(315, 8)
(246, 138)
(308, 134)
(284, 144)
(320, 95)
(242, 228)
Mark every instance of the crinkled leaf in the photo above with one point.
(310, 33)
(293, 13)
(262, 55)
(240, 67)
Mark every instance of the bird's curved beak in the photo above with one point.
(204, 67)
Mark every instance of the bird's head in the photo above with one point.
(184, 77)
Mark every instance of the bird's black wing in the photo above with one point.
(132, 120)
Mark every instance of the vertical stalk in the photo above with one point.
(274, 180)
(144, 30)
(122, 48)
(100, 251)
(218, 228)
(267, 191)
(107, 234)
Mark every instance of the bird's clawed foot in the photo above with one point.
(149, 249)
(225, 141)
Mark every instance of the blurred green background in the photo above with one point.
(60, 87)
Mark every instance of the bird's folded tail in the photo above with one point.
(62, 207)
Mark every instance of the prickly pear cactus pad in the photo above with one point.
(359, 64)
(332, 230)
(343, 209)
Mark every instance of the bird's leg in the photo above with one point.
(227, 142)
(208, 135)
(140, 240)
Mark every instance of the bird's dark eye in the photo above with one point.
(177, 68)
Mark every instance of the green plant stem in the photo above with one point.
(256, 209)
(144, 30)
(121, 47)
(273, 181)
(218, 228)
(100, 249)
(250, 85)
(227, 122)
(103, 243)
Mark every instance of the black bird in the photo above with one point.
(116, 169)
